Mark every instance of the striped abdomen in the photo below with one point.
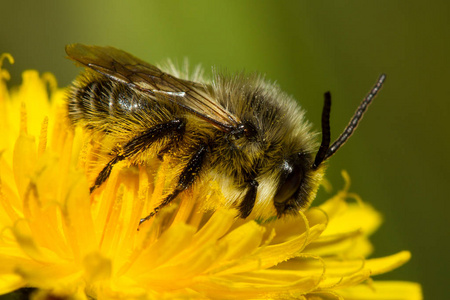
(100, 103)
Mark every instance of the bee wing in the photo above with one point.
(123, 67)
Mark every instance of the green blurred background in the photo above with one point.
(398, 159)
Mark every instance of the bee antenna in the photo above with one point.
(326, 132)
(357, 116)
(325, 151)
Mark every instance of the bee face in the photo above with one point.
(240, 131)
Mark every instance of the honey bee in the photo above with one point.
(240, 131)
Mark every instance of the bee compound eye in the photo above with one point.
(290, 180)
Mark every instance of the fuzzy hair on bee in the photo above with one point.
(240, 131)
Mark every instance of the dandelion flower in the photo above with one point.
(68, 244)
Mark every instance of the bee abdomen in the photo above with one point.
(96, 100)
(88, 101)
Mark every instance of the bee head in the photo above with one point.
(299, 176)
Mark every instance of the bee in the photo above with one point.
(237, 130)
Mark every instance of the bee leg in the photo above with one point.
(176, 138)
(105, 172)
(187, 177)
(246, 206)
(138, 144)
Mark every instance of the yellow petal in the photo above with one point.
(387, 263)
(238, 242)
(97, 267)
(33, 93)
(256, 285)
(79, 226)
(10, 282)
(356, 216)
(24, 161)
(383, 290)
(167, 247)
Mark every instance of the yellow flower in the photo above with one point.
(58, 238)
